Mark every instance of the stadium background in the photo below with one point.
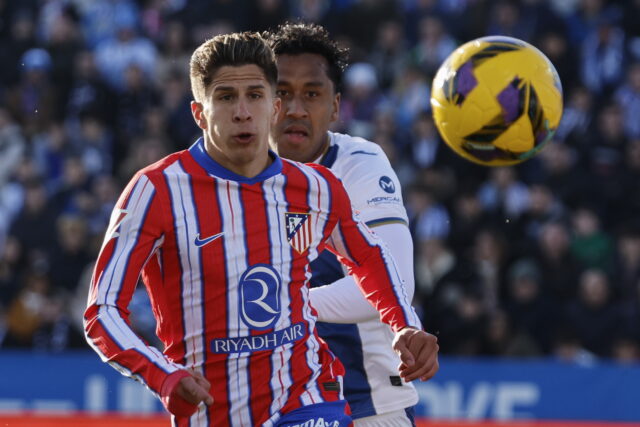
(530, 276)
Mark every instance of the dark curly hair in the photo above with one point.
(298, 38)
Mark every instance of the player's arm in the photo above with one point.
(368, 260)
(135, 232)
(376, 274)
(343, 302)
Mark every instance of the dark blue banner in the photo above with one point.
(502, 389)
(463, 389)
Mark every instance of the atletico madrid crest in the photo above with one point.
(298, 230)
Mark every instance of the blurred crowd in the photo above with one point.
(542, 259)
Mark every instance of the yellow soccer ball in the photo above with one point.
(497, 100)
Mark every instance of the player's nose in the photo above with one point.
(241, 112)
(295, 108)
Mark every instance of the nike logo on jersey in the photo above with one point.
(201, 242)
(363, 152)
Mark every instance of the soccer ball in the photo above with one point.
(497, 100)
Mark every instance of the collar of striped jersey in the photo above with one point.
(214, 168)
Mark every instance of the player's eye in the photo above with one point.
(255, 95)
(312, 94)
(281, 93)
(225, 97)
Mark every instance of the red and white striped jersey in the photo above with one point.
(225, 260)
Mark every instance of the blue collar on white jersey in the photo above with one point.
(329, 158)
(214, 168)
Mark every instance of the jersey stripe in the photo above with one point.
(179, 183)
(281, 380)
(234, 246)
(112, 279)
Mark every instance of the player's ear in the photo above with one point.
(335, 113)
(277, 105)
(197, 110)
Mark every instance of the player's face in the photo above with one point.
(236, 116)
(309, 105)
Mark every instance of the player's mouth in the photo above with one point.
(296, 134)
(244, 137)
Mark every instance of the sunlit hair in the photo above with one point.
(234, 50)
(298, 38)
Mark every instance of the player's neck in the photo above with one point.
(322, 150)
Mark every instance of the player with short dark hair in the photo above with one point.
(310, 67)
(222, 235)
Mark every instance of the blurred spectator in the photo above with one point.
(49, 151)
(631, 183)
(425, 142)
(12, 146)
(593, 316)
(126, 50)
(628, 96)
(543, 208)
(433, 47)
(357, 20)
(181, 128)
(603, 54)
(502, 339)
(101, 20)
(432, 218)
(32, 226)
(361, 99)
(138, 94)
(267, 14)
(530, 313)
(590, 245)
(89, 93)
(583, 19)
(507, 20)
(467, 218)
(489, 259)
(175, 52)
(503, 194)
(558, 267)
(70, 256)
(627, 265)
(33, 99)
(21, 38)
(310, 10)
(388, 54)
(555, 45)
(64, 42)
(576, 117)
(411, 94)
(93, 143)
(561, 175)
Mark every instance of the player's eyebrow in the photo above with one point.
(224, 89)
(307, 84)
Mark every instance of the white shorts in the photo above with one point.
(390, 419)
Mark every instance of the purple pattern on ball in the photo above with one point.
(509, 100)
(466, 80)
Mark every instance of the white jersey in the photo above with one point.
(371, 384)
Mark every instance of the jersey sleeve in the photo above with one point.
(369, 261)
(342, 301)
(372, 185)
(135, 232)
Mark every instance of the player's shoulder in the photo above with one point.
(350, 146)
(156, 169)
(307, 168)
